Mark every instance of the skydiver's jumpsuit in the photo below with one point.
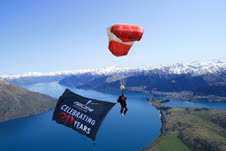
(122, 101)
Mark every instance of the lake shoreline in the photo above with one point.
(27, 116)
(158, 139)
(158, 105)
(189, 96)
(182, 95)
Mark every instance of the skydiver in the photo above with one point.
(122, 101)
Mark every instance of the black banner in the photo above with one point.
(82, 114)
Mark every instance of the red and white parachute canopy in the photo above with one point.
(122, 36)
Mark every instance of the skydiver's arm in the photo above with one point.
(119, 99)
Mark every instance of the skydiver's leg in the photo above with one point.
(125, 109)
(121, 110)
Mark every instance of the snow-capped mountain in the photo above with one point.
(177, 77)
(3, 82)
(194, 68)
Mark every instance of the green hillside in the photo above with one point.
(192, 129)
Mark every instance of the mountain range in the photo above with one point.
(201, 78)
(18, 102)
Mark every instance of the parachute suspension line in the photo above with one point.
(122, 85)
(123, 82)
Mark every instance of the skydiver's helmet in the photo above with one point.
(122, 87)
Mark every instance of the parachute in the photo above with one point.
(121, 38)
(82, 114)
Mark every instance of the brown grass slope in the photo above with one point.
(16, 102)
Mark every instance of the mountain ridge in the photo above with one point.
(196, 68)
(195, 77)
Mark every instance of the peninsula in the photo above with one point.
(190, 129)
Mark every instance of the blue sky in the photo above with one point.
(57, 35)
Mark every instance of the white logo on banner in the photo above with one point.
(84, 107)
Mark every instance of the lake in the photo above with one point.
(140, 127)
